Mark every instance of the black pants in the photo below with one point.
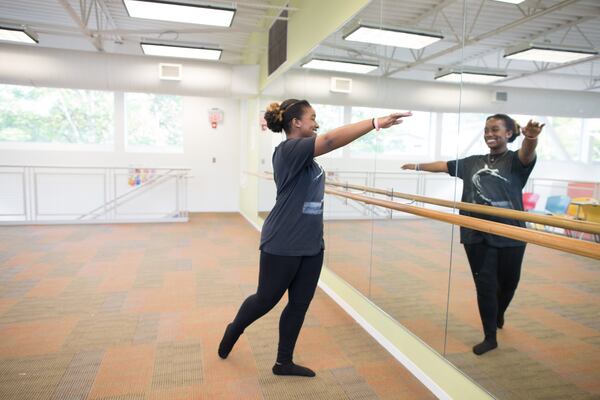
(298, 275)
(496, 272)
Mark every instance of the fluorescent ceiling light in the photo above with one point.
(548, 53)
(342, 66)
(393, 37)
(511, 1)
(179, 12)
(19, 35)
(165, 50)
(469, 76)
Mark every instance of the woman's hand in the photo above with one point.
(409, 166)
(532, 129)
(392, 119)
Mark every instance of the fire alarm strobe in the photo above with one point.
(215, 116)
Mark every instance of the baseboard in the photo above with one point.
(435, 372)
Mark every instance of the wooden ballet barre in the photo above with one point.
(575, 225)
(264, 175)
(574, 246)
(559, 222)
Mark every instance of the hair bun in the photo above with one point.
(517, 131)
(274, 117)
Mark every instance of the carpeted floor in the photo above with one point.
(137, 311)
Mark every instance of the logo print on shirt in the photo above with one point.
(495, 183)
(314, 207)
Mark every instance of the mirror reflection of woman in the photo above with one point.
(494, 179)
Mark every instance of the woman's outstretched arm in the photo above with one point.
(531, 132)
(343, 135)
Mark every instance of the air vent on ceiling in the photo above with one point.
(500, 97)
(277, 44)
(169, 72)
(341, 85)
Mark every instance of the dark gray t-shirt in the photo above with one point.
(499, 184)
(294, 226)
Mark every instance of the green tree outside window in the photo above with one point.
(49, 115)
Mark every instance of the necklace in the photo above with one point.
(492, 158)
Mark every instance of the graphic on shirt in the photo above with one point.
(320, 173)
(313, 204)
(491, 188)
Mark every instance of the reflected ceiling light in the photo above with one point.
(408, 38)
(19, 35)
(179, 12)
(168, 50)
(342, 66)
(511, 1)
(547, 53)
(469, 75)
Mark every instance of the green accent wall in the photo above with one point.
(309, 25)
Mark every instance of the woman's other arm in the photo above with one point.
(436, 166)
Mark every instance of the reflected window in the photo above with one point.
(412, 137)
(61, 117)
(154, 122)
(466, 140)
(592, 131)
(561, 138)
(569, 132)
(329, 117)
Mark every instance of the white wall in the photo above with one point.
(440, 97)
(370, 91)
(36, 66)
(214, 186)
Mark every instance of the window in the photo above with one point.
(409, 138)
(64, 117)
(560, 139)
(592, 130)
(329, 117)
(154, 122)
(566, 133)
(467, 138)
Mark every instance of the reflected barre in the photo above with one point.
(569, 245)
(263, 175)
(559, 222)
(574, 246)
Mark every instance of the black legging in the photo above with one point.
(496, 272)
(300, 276)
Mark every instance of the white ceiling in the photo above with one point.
(490, 27)
(61, 24)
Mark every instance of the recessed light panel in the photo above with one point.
(178, 12)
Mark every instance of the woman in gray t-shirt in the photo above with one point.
(291, 242)
(494, 179)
